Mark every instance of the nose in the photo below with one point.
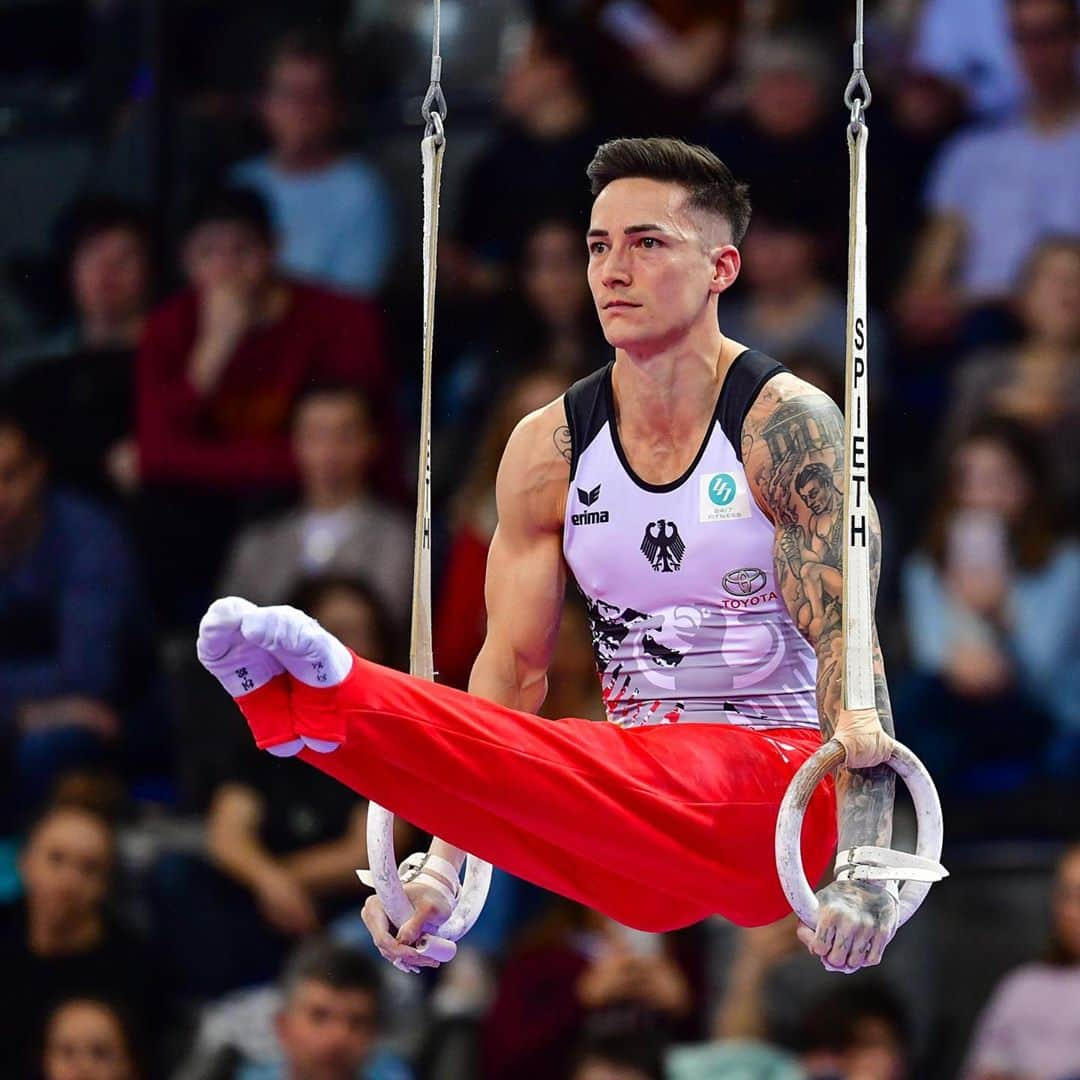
(616, 270)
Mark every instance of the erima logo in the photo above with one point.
(590, 517)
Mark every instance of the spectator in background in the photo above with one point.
(284, 840)
(1037, 381)
(89, 1039)
(976, 55)
(789, 306)
(992, 603)
(995, 192)
(547, 321)
(107, 246)
(661, 59)
(80, 394)
(856, 1032)
(1031, 1027)
(333, 213)
(321, 1022)
(219, 371)
(532, 169)
(784, 127)
(76, 666)
(619, 1054)
(339, 526)
(576, 968)
(460, 619)
(60, 940)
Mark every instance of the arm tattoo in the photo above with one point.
(561, 439)
(796, 464)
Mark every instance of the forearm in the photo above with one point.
(864, 797)
(327, 867)
(241, 856)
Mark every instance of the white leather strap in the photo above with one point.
(884, 864)
(423, 865)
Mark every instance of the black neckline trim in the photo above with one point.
(660, 489)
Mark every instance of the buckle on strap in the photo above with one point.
(884, 864)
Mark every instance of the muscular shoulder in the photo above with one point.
(535, 471)
(790, 425)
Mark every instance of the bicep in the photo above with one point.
(523, 590)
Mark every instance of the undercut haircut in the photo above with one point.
(709, 183)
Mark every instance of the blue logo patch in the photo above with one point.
(722, 488)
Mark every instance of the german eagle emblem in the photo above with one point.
(663, 546)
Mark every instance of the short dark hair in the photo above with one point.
(708, 181)
(816, 470)
(95, 215)
(320, 960)
(832, 1021)
(235, 205)
(310, 45)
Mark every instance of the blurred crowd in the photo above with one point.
(209, 385)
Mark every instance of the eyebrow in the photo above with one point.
(630, 230)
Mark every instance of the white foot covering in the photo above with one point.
(236, 663)
(307, 651)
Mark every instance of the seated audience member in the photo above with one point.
(578, 966)
(76, 667)
(548, 320)
(1037, 381)
(61, 941)
(618, 1054)
(284, 839)
(995, 191)
(788, 306)
(459, 619)
(531, 169)
(89, 1039)
(1031, 1026)
(786, 123)
(333, 213)
(325, 1024)
(80, 394)
(975, 55)
(221, 364)
(339, 526)
(661, 60)
(219, 371)
(108, 267)
(854, 1032)
(992, 603)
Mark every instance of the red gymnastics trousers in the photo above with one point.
(656, 826)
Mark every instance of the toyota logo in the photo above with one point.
(744, 582)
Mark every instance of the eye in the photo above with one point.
(596, 247)
(650, 242)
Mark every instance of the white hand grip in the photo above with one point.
(388, 887)
(917, 874)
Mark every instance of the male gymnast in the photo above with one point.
(691, 488)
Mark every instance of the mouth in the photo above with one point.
(611, 304)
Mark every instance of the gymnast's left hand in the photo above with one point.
(856, 921)
(430, 910)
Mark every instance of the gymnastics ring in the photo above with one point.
(386, 880)
(918, 872)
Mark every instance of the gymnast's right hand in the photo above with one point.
(430, 910)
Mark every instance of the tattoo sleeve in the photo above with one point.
(796, 467)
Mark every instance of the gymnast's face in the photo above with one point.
(655, 268)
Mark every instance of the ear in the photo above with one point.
(726, 263)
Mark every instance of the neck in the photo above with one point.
(660, 396)
(1052, 110)
(50, 939)
(304, 159)
(114, 333)
(329, 499)
(20, 535)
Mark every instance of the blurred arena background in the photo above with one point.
(209, 351)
